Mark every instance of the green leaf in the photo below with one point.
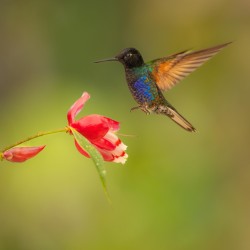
(94, 154)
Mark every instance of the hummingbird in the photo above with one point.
(147, 81)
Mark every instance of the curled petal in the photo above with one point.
(120, 156)
(21, 154)
(77, 107)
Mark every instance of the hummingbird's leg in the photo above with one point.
(142, 108)
(134, 108)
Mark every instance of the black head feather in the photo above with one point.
(130, 58)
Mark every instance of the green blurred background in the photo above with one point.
(177, 190)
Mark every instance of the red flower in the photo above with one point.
(99, 130)
(20, 154)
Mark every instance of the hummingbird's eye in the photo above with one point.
(129, 55)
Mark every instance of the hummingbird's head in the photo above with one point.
(129, 57)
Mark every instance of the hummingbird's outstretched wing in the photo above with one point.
(168, 71)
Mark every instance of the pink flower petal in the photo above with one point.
(107, 155)
(118, 152)
(121, 159)
(81, 150)
(111, 157)
(113, 125)
(21, 154)
(104, 144)
(77, 107)
(112, 148)
(92, 127)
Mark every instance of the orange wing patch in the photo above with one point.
(170, 70)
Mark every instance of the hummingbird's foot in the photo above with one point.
(145, 110)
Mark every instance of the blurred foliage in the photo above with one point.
(177, 190)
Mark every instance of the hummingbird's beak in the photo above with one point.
(107, 60)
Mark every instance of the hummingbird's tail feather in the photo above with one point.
(172, 113)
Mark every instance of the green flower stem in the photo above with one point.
(39, 134)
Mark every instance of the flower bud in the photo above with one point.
(21, 154)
